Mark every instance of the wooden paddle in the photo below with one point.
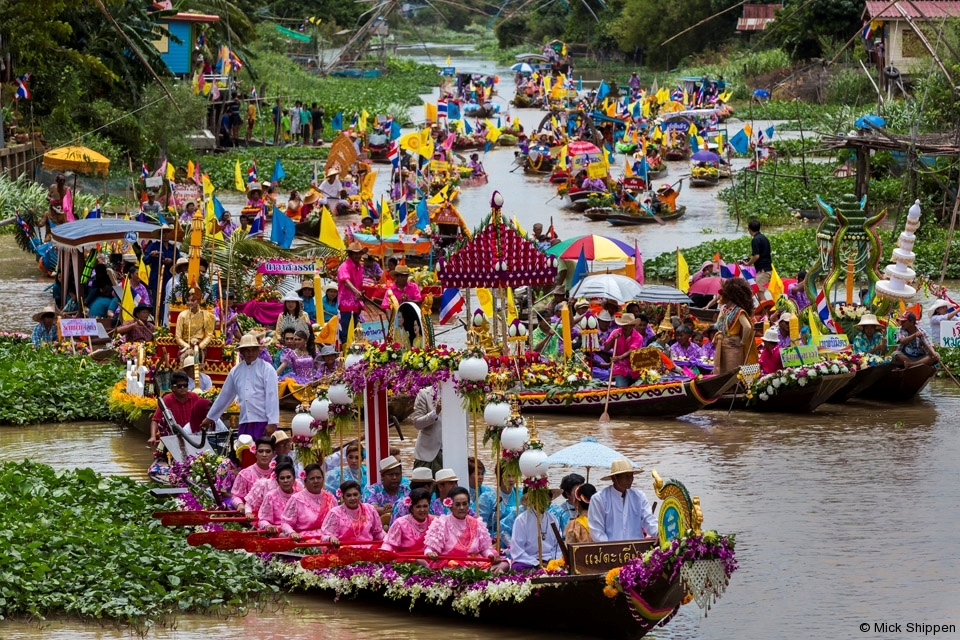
(273, 545)
(193, 519)
(222, 539)
(605, 416)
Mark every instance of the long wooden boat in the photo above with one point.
(598, 214)
(862, 380)
(629, 219)
(704, 181)
(579, 198)
(675, 154)
(612, 618)
(900, 385)
(796, 400)
(656, 175)
(665, 399)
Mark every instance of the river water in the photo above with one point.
(843, 517)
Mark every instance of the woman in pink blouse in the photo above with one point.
(352, 521)
(255, 497)
(249, 476)
(275, 501)
(408, 534)
(306, 510)
(459, 535)
(621, 343)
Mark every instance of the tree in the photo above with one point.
(644, 24)
(817, 29)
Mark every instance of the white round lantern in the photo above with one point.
(301, 424)
(320, 409)
(513, 438)
(521, 329)
(339, 394)
(495, 414)
(512, 331)
(473, 369)
(496, 200)
(477, 319)
(591, 322)
(352, 359)
(530, 461)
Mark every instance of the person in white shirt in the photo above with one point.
(331, 191)
(253, 383)
(426, 420)
(205, 382)
(620, 512)
(939, 311)
(523, 551)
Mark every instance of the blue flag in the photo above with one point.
(603, 90)
(337, 122)
(740, 142)
(467, 128)
(218, 208)
(642, 168)
(394, 130)
(95, 212)
(580, 83)
(769, 131)
(453, 111)
(693, 144)
(636, 112)
(580, 271)
(283, 229)
(402, 213)
(486, 147)
(278, 173)
(256, 227)
(423, 215)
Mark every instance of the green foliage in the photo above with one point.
(37, 385)
(83, 545)
(815, 28)
(850, 86)
(791, 250)
(297, 163)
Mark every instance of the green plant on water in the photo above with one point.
(83, 545)
(37, 385)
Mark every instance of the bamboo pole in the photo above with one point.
(716, 15)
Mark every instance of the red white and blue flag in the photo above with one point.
(393, 155)
(441, 108)
(451, 303)
(235, 61)
(144, 172)
(823, 311)
(252, 173)
(747, 273)
(730, 271)
(23, 90)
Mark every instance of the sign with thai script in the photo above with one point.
(182, 192)
(831, 345)
(596, 170)
(799, 355)
(286, 268)
(373, 331)
(439, 165)
(600, 557)
(950, 333)
(448, 71)
(634, 183)
(79, 327)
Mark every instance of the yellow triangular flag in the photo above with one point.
(363, 120)
(171, 172)
(126, 303)
(485, 300)
(448, 62)
(567, 338)
(328, 231)
(328, 332)
(238, 177)
(387, 227)
(775, 287)
(683, 273)
(511, 306)
(207, 185)
(190, 168)
(516, 225)
(426, 144)
(144, 270)
(814, 328)
(350, 330)
(493, 133)
(210, 219)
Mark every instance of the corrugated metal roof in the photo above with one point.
(931, 9)
(756, 17)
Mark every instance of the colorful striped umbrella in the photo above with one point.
(594, 248)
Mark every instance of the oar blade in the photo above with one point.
(184, 519)
(223, 540)
(161, 514)
(349, 555)
(269, 545)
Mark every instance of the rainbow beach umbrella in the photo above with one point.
(594, 248)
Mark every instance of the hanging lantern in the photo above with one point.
(320, 409)
(495, 414)
(472, 369)
(300, 425)
(514, 438)
(340, 394)
(530, 462)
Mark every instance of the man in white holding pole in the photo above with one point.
(620, 512)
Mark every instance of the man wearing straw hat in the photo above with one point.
(253, 383)
(46, 329)
(620, 512)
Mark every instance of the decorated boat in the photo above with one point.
(626, 218)
(791, 390)
(583, 200)
(899, 385)
(703, 175)
(598, 214)
(863, 379)
(668, 399)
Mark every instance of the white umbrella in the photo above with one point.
(662, 294)
(521, 67)
(586, 453)
(608, 285)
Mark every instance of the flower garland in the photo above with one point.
(771, 384)
(128, 405)
(466, 589)
(319, 445)
(192, 474)
(473, 393)
(492, 433)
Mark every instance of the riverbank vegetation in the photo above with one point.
(83, 545)
(51, 384)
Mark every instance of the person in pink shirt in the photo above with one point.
(459, 535)
(402, 289)
(306, 510)
(275, 501)
(408, 534)
(349, 291)
(770, 361)
(253, 501)
(249, 476)
(621, 342)
(352, 521)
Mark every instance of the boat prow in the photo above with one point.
(862, 380)
(803, 399)
(900, 385)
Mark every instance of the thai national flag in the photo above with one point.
(451, 303)
(441, 108)
(252, 173)
(23, 225)
(730, 271)
(144, 171)
(237, 63)
(393, 155)
(256, 227)
(23, 90)
(823, 311)
(95, 212)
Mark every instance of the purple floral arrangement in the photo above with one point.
(666, 560)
